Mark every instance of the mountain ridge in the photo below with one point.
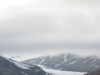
(68, 62)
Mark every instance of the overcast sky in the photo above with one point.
(38, 27)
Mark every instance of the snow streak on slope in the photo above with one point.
(72, 62)
(64, 58)
(93, 61)
(24, 73)
(42, 60)
(85, 61)
(33, 61)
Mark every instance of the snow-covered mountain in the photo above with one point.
(11, 67)
(68, 62)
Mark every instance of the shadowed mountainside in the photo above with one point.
(94, 73)
(11, 67)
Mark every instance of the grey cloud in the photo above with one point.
(59, 25)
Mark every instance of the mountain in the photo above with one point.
(68, 62)
(94, 73)
(11, 67)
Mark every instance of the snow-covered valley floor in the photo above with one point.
(59, 72)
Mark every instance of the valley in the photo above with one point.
(59, 72)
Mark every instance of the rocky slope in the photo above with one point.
(11, 67)
(68, 62)
(94, 73)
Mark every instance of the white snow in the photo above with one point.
(72, 62)
(51, 57)
(7, 58)
(93, 61)
(33, 61)
(85, 61)
(94, 64)
(64, 58)
(57, 65)
(59, 72)
(21, 65)
(38, 70)
(42, 60)
(63, 61)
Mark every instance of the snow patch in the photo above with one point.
(21, 65)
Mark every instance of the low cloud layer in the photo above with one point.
(37, 27)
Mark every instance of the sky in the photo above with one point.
(32, 28)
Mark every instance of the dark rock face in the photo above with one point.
(11, 67)
(68, 62)
(94, 73)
